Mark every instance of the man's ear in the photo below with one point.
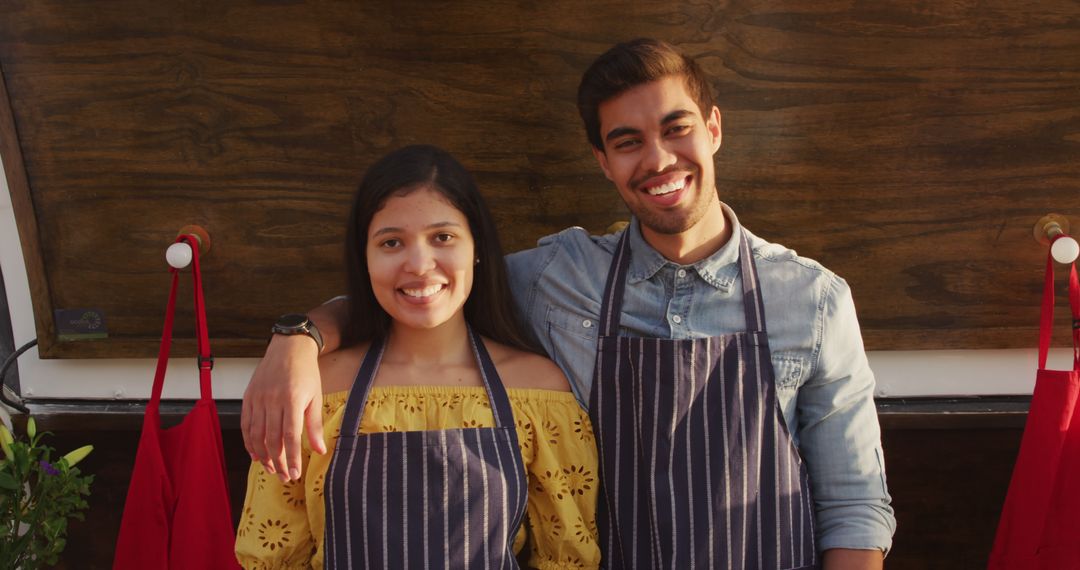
(601, 158)
(715, 132)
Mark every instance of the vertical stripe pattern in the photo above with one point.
(697, 467)
(425, 499)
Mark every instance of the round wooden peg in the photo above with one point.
(1049, 226)
(201, 236)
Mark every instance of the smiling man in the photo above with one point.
(725, 376)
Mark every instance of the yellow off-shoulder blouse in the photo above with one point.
(282, 523)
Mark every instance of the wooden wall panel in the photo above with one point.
(908, 146)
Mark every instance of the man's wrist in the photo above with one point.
(295, 324)
(292, 346)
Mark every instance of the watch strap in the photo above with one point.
(306, 327)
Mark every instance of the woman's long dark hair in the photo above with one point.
(489, 307)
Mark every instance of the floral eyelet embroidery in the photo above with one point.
(553, 483)
(585, 532)
(579, 479)
(410, 403)
(246, 522)
(452, 401)
(583, 429)
(331, 407)
(274, 534)
(552, 524)
(552, 430)
(294, 493)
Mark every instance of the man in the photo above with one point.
(724, 375)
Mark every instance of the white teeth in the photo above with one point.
(425, 292)
(667, 188)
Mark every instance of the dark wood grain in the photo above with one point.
(910, 147)
(25, 221)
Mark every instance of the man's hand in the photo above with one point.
(845, 559)
(284, 395)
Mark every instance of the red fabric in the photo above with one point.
(1040, 521)
(177, 513)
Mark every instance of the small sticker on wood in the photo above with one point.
(80, 324)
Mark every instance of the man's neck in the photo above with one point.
(705, 238)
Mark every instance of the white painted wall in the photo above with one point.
(899, 373)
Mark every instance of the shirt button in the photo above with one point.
(681, 273)
(586, 323)
(676, 319)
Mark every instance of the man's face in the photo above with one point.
(658, 150)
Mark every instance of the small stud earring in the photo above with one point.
(477, 262)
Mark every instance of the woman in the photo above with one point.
(431, 457)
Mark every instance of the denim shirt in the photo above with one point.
(824, 384)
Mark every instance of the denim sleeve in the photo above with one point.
(526, 268)
(839, 435)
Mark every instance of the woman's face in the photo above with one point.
(420, 256)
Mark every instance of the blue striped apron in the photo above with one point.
(425, 499)
(697, 467)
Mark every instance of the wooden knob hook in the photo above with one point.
(179, 254)
(1050, 226)
(201, 236)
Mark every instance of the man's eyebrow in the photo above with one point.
(676, 115)
(620, 132)
(624, 131)
(436, 225)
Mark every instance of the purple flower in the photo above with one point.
(48, 467)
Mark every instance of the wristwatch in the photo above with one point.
(297, 323)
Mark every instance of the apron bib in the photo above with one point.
(425, 499)
(697, 467)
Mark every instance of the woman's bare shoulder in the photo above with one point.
(522, 369)
(338, 368)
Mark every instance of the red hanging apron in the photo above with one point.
(177, 513)
(1040, 521)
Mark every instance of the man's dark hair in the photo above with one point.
(489, 308)
(628, 65)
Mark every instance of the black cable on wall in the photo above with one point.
(7, 340)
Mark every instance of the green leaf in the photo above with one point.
(43, 502)
(8, 482)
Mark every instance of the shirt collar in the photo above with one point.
(719, 269)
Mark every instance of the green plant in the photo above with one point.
(37, 497)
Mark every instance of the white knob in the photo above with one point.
(1065, 250)
(179, 255)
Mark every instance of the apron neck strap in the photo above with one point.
(205, 359)
(753, 305)
(1074, 302)
(611, 309)
(1046, 321)
(500, 402)
(361, 388)
(611, 304)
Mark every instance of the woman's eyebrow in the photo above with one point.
(393, 229)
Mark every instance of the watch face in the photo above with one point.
(292, 320)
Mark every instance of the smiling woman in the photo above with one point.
(435, 405)
(420, 259)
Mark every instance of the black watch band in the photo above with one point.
(298, 323)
